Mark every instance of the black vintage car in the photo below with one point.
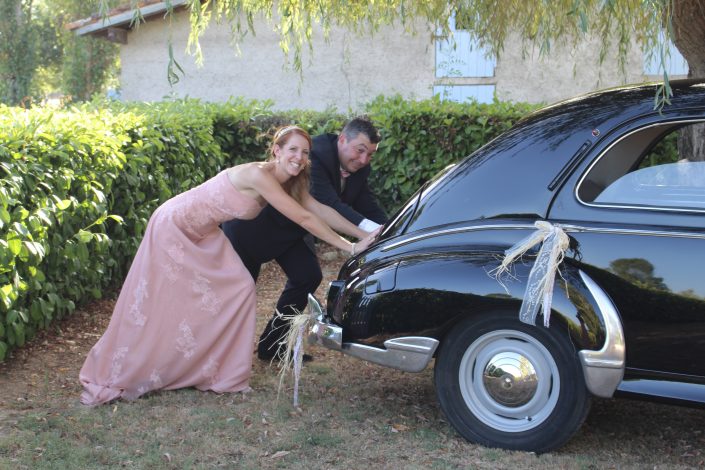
(622, 184)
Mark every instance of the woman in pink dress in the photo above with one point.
(185, 316)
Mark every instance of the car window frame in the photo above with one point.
(674, 122)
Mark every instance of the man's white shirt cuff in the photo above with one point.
(368, 226)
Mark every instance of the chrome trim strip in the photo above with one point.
(644, 208)
(566, 227)
(604, 369)
(606, 150)
(408, 353)
(452, 231)
(626, 231)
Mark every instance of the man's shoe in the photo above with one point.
(265, 356)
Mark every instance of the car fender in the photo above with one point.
(426, 294)
(429, 292)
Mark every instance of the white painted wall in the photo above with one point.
(349, 70)
(523, 76)
(345, 72)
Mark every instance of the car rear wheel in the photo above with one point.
(503, 383)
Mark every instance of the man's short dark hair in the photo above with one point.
(362, 125)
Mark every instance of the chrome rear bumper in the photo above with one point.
(408, 353)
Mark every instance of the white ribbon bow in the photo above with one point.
(539, 286)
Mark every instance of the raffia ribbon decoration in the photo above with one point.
(293, 350)
(539, 286)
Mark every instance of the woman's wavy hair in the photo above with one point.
(297, 186)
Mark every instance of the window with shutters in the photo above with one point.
(464, 70)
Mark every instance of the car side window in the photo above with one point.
(652, 167)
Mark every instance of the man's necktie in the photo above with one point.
(343, 176)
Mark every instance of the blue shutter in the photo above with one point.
(460, 56)
(461, 93)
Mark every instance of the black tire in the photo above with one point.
(503, 383)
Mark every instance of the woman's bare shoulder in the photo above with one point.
(250, 178)
(242, 176)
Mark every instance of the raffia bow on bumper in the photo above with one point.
(539, 286)
(293, 347)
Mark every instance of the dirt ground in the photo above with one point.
(59, 351)
(380, 413)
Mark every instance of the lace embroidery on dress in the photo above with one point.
(136, 308)
(116, 365)
(218, 199)
(193, 218)
(228, 212)
(211, 213)
(210, 370)
(155, 382)
(210, 302)
(155, 379)
(186, 343)
(173, 267)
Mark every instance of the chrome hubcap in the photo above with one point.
(510, 379)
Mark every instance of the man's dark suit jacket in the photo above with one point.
(356, 202)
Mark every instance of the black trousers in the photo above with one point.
(303, 276)
(268, 237)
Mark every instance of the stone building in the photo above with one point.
(348, 70)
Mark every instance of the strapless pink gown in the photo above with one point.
(185, 316)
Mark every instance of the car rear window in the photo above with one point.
(650, 167)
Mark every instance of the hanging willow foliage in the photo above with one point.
(621, 23)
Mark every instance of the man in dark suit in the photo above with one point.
(339, 172)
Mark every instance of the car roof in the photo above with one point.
(514, 175)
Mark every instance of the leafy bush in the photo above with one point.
(78, 186)
(420, 138)
(57, 175)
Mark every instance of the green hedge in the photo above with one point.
(420, 138)
(78, 186)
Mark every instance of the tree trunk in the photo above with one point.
(17, 90)
(17, 51)
(689, 34)
(691, 143)
(689, 38)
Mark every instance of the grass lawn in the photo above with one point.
(352, 415)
